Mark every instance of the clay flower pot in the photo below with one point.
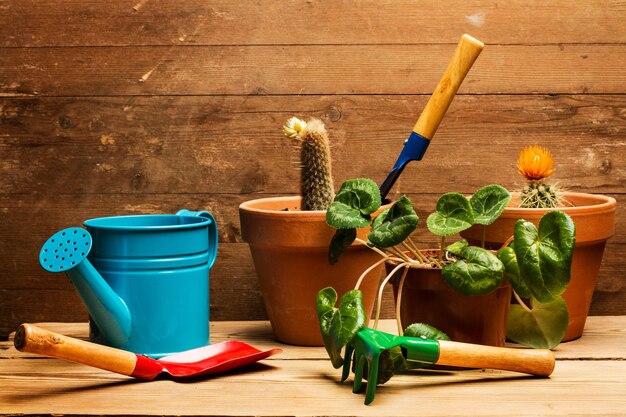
(290, 252)
(427, 298)
(594, 217)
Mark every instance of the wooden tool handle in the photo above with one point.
(464, 56)
(33, 339)
(538, 362)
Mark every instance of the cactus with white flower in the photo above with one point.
(316, 181)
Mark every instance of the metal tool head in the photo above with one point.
(65, 249)
(414, 149)
(367, 347)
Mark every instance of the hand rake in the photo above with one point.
(368, 345)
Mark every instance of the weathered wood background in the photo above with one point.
(148, 106)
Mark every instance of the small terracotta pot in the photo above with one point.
(427, 298)
(594, 217)
(290, 252)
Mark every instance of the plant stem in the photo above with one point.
(367, 271)
(521, 302)
(421, 257)
(413, 251)
(482, 242)
(374, 248)
(380, 291)
(399, 301)
(441, 245)
(398, 253)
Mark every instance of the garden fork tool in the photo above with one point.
(415, 146)
(368, 345)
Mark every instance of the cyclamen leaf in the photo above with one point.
(453, 215)
(425, 331)
(353, 204)
(488, 203)
(544, 256)
(511, 272)
(478, 272)
(390, 362)
(342, 239)
(343, 212)
(339, 325)
(542, 328)
(394, 225)
(457, 247)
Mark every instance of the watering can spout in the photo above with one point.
(66, 251)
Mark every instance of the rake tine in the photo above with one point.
(359, 359)
(372, 377)
(347, 361)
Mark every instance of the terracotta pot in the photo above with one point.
(427, 298)
(594, 217)
(290, 252)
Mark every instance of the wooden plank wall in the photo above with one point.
(148, 106)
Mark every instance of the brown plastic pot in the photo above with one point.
(290, 252)
(427, 298)
(594, 217)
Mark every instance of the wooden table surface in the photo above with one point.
(589, 379)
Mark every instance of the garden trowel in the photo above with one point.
(415, 146)
(208, 360)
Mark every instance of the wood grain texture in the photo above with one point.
(224, 22)
(149, 106)
(307, 69)
(603, 339)
(301, 381)
(235, 145)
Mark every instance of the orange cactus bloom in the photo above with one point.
(535, 163)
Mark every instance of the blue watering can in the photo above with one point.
(144, 278)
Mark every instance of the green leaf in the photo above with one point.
(543, 327)
(544, 256)
(488, 203)
(453, 214)
(353, 204)
(394, 225)
(511, 272)
(390, 362)
(339, 325)
(478, 272)
(342, 239)
(457, 247)
(425, 331)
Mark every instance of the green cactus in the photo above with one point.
(316, 181)
(540, 195)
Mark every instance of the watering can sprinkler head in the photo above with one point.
(66, 251)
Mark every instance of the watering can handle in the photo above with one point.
(213, 238)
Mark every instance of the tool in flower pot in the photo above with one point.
(415, 146)
(208, 360)
(368, 344)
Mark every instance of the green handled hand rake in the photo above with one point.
(369, 344)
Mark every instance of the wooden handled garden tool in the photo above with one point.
(415, 146)
(212, 359)
(368, 344)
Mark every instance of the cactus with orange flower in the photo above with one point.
(316, 180)
(535, 164)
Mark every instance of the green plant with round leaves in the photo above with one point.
(536, 263)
